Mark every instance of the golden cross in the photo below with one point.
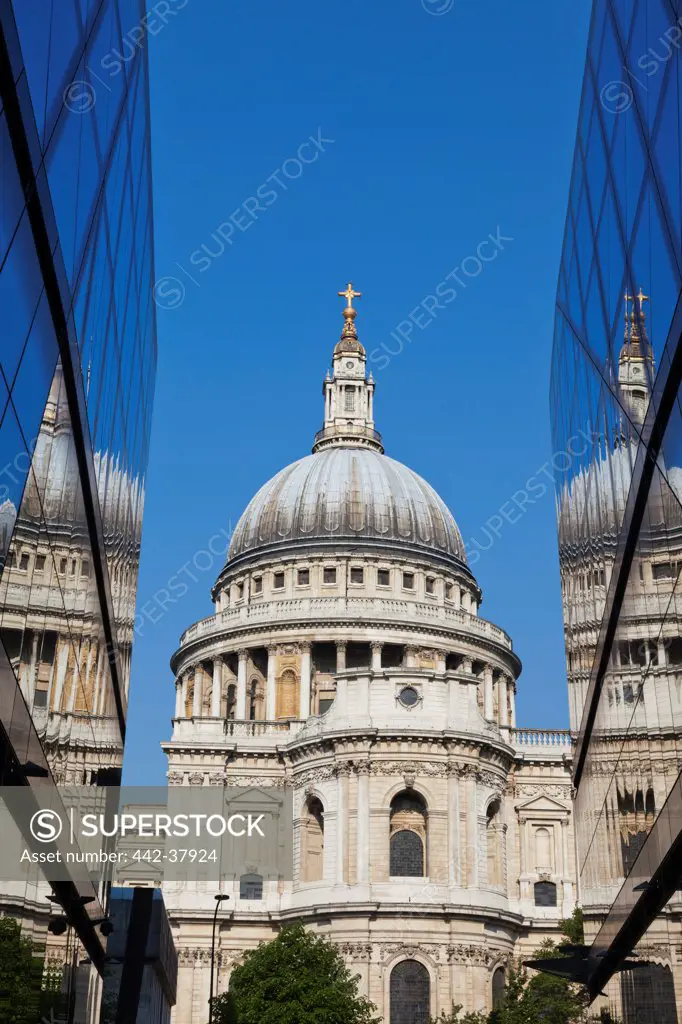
(349, 295)
(642, 298)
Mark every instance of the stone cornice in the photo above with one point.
(410, 769)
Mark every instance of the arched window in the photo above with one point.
(251, 887)
(545, 894)
(407, 854)
(498, 987)
(407, 836)
(312, 841)
(543, 850)
(410, 993)
(647, 991)
(231, 701)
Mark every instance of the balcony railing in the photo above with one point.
(385, 609)
(347, 430)
(554, 739)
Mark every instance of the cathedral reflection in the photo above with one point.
(633, 759)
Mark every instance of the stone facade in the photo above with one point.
(347, 659)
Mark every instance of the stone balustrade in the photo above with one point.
(554, 739)
(335, 609)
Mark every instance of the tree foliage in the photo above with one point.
(532, 997)
(297, 978)
(457, 1017)
(20, 976)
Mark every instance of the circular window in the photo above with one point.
(350, 364)
(408, 696)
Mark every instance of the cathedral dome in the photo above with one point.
(348, 495)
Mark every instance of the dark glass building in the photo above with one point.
(141, 981)
(617, 435)
(77, 368)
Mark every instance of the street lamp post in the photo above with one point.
(219, 898)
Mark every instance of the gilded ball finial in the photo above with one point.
(349, 332)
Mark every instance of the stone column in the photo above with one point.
(341, 823)
(454, 858)
(376, 656)
(75, 682)
(488, 706)
(502, 706)
(33, 670)
(100, 677)
(512, 702)
(341, 655)
(184, 685)
(89, 676)
(566, 872)
(305, 682)
(363, 823)
(196, 701)
(472, 833)
(240, 712)
(217, 688)
(179, 703)
(650, 702)
(410, 657)
(271, 687)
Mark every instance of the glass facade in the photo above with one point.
(77, 369)
(617, 426)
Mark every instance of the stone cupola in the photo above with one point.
(348, 391)
(635, 363)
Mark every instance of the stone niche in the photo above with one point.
(288, 675)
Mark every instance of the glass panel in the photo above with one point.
(89, 139)
(618, 292)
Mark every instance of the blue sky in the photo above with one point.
(432, 132)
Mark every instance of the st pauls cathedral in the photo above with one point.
(347, 659)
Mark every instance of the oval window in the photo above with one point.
(408, 696)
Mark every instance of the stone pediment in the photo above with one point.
(542, 804)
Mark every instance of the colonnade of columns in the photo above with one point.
(75, 684)
(499, 697)
(499, 689)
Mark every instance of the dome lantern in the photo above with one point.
(348, 392)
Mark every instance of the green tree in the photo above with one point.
(20, 976)
(573, 927)
(534, 997)
(297, 978)
(546, 998)
(454, 1017)
(539, 998)
(225, 1009)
